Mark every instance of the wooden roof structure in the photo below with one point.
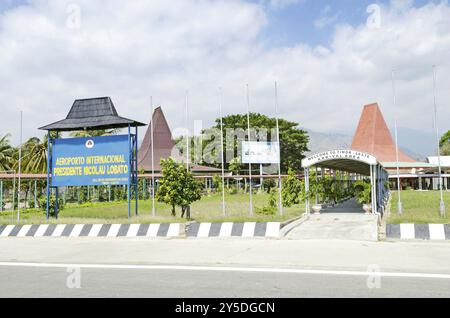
(92, 114)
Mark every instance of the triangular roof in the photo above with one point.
(92, 113)
(373, 136)
(164, 145)
(163, 142)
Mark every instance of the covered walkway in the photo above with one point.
(350, 206)
(357, 166)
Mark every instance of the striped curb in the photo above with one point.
(229, 229)
(93, 230)
(434, 232)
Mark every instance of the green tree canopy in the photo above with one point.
(177, 187)
(293, 140)
(445, 149)
(34, 155)
(6, 154)
(445, 139)
(94, 133)
(292, 188)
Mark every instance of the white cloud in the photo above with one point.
(281, 4)
(326, 18)
(150, 47)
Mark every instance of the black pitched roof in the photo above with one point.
(92, 113)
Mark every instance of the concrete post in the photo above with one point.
(307, 191)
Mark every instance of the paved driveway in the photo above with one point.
(346, 221)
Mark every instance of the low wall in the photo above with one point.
(434, 232)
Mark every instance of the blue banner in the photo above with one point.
(91, 161)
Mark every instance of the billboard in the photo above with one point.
(260, 152)
(91, 161)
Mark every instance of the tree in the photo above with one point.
(444, 139)
(235, 165)
(94, 133)
(445, 149)
(177, 187)
(362, 189)
(6, 154)
(292, 189)
(293, 140)
(34, 155)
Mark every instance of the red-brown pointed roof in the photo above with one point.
(163, 142)
(164, 146)
(373, 136)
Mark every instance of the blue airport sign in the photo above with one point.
(91, 161)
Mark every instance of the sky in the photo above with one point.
(329, 59)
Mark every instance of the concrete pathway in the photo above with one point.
(350, 206)
(345, 221)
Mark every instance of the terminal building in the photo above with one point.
(373, 136)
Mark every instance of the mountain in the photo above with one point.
(319, 142)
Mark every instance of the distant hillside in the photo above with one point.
(319, 142)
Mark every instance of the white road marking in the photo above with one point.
(226, 229)
(249, 229)
(230, 269)
(407, 232)
(203, 230)
(437, 232)
(273, 229)
(41, 230)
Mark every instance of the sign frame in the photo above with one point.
(265, 152)
(91, 161)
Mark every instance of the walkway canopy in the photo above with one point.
(355, 162)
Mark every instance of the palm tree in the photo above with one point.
(6, 154)
(34, 155)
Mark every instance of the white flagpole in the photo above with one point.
(441, 204)
(399, 205)
(20, 167)
(187, 131)
(280, 187)
(153, 159)
(249, 138)
(222, 153)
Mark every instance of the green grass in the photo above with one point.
(419, 207)
(209, 209)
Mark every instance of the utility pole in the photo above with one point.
(441, 204)
(399, 186)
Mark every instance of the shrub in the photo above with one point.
(292, 189)
(362, 190)
(43, 204)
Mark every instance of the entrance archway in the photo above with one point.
(358, 163)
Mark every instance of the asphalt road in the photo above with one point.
(136, 283)
(222, 268)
